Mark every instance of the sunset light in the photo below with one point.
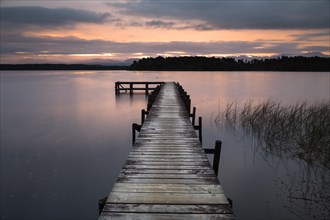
(135, 29)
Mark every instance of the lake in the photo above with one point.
(65, 136)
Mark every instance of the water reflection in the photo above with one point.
(308, 192)
(137, 98)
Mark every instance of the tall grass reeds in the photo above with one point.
(300, 131)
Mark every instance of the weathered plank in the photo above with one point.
(149, 171)
(158, 160)
(167, 167)
(210, 180)
(167, 198)
(164, 176)
(168, 163)
(165, 208)
(166, 216)
(161, 187)
(166, 156)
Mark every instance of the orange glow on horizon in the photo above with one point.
(143, 34)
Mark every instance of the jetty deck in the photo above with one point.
(167, 174)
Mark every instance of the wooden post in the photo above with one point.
(193, 115)
(102, 204)
(188, 103)
(135, 127)
(151, 100)
(133, 133)
(143, 113)
(200, 129)
(131, 88)
(116, 88)
(147, 88)
(216, 158)
(216, 155)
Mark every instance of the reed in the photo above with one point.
(299, 131)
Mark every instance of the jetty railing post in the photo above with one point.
(133, 133)
(143, 114)
(131, 88)
(189, 103)
(147, 89)
(216, 158)
(135, 127)
(216, 155)
(151, 99)
(102, 204)
(193, 115)
(200, 129)
(116, 88)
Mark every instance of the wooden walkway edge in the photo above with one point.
(167, 174)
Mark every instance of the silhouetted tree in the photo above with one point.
(200, 63)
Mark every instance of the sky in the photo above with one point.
(92, 31)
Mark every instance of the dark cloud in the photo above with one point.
(159, 24)
(162, 24)
(311, 36)
(316, 48)
(199, 27)
(40, 16)
(266, 14)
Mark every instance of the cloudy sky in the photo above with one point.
(69, 31)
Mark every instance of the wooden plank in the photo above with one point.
(168, 152)
(167, 198)
(161, 208)
(154, 160)
(160, 153)
(149, 171)
(210, 180)
(163, 167)
(162, 187)
(166, 156)
(182, 146)
(167, 216)
(178, 145)
(167, 163)
(164, 176)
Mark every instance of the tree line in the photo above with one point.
(200, 63)
(195, 63)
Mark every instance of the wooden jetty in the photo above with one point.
(120, 86)
(167, 174)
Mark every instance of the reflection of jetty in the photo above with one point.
(167, 174)
(120, 86)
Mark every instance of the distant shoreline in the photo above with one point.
(62, 67)
(287, 64)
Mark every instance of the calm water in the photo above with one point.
(65, 137)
